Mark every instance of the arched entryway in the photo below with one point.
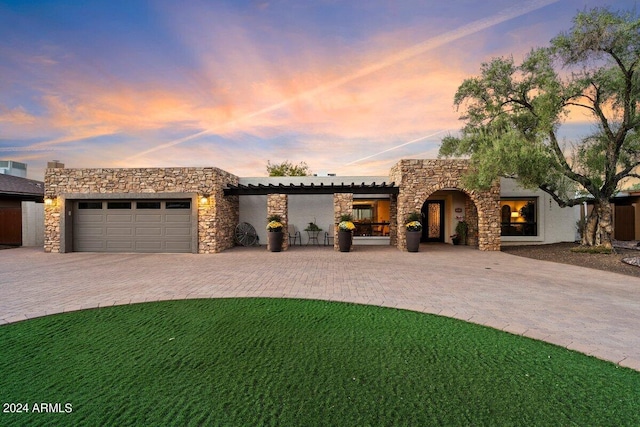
(427, 180)
(443, 210)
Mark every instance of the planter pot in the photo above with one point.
(344, 240)
(413, 240)
(456, 240)
(275, 240)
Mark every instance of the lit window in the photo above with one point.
(519, 217)
(371, 217)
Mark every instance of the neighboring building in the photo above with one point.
(21, 211)
(9, 167)
(197, 209)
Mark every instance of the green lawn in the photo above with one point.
(250, 362)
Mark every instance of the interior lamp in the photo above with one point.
(515, 214)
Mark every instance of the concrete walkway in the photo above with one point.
(590, 311)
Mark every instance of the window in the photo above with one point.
(89, 205)
(179, 204)
(371, 217)
(519, 216)
(118, 205)
(148, 205)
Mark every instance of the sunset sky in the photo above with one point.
(349, 87)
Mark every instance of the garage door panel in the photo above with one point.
(111, 218)
(120, 244)
(146, 218)
(185, 218)
(92, 245)
(149, 246)
(117, 231)
(149, 231)
(88, 231)
(88, 218)
(178, 231)
(147, 226)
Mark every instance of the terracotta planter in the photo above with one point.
(344, 240)
(413, 240)
(275, 240)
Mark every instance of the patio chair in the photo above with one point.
(294, 235)
(328, 235)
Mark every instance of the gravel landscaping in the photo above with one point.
(624, 260)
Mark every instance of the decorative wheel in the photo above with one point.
(246, 235)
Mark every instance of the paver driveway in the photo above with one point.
(591, 311)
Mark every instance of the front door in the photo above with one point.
(433, 220)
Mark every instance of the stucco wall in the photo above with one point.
(555, 224)
(216, 220)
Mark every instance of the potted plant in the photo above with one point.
(414, 231)
(460, 235)
(276, 236)
(345, 230)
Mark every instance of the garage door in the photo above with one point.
(132, 226)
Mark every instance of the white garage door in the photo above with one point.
(132, 226)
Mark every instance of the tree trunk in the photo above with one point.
(598, 228)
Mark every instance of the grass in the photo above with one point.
(592, 250)
(297, 362)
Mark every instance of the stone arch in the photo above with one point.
(419, 179)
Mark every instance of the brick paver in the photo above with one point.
(590, 311)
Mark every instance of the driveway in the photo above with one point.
(591, 311)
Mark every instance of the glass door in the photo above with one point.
(433, 220)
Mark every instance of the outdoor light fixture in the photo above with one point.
(49, 201)
(204, 199)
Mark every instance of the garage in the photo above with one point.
(132, 226)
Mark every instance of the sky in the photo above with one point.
(349, 87)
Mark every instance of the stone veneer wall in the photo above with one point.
(216, 220)
(277, 204)
(342, 204)
(418, 179)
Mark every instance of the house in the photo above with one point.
(21, 211)
(197, 210)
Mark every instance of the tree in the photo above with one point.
(287, 168)
(514, 112)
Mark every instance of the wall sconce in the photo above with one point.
(515, 214)
(204, 199)
(48, 201)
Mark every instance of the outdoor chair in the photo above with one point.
(328, 235)
(294, 235)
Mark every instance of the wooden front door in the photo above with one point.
(433, 221)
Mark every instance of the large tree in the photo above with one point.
(287, 168)
(513, 114)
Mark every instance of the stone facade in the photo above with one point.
(217, 216)
(342, 205)
(277, 204)
(418, 179)
(216, 219)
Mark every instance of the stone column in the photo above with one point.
(471, 216)
(342, 204)
(277, 204)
